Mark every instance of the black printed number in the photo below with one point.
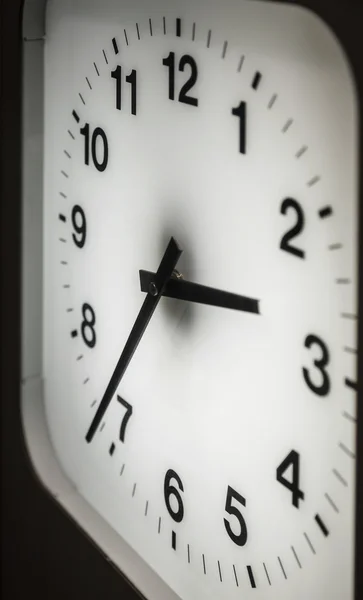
(239, 538)
(185, 61)
(87, 326)
(99, 147)
(79, 225)
(295, 230)
(241, 111)
(126, 417)
(131, 79)
(292, 459)
(323, 387)
(175, 507)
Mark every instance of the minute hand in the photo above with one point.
(202, 294)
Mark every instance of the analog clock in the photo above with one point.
(196, 292)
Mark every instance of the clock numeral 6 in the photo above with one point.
(295, 230)
(79, 225)
(238, 538)
(170, 491)
(293, 459)
(87, 325)
(185, 60)
(323, 388)
(99, 146)
(131, 79)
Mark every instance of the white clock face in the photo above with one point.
(225, 456)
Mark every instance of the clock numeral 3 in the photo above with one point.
(126, 417)
(238, 538)
(79, 225)
(293, 460)
(131, 79)
(176, 513)
(87, 325)
(98, 140)
(186, 60)
(295, 230)
(320, 363)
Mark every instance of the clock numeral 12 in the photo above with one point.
(185, 60)
(131, 79)
(98, 134)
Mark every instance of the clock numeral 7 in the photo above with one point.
(239, 538)
(131, 79)
(99, 147)
(185, 60)
(126, 417)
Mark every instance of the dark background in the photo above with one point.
(43, 553)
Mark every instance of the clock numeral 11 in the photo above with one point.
(131, 79)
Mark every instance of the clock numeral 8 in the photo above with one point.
(171, 491)
(87, 325)
(320, 363)
(238, 538)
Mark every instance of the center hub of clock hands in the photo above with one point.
(165, 282)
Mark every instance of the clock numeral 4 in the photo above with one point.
(176, 507)
(79, 225)
(239, 538)
(322, 388)
(126, 417)
(99, 147)
(87, 325)
(293, 460)
(186, 60)
(131, 79)
(295, 230)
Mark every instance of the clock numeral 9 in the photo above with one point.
(131, 79)
(239, 538)
(176, 513)
(323, 388)
(126, 417)
(99, 146)
(87, 325)
(295, 230)
(79, 225)
(185, 60)
(293, 459)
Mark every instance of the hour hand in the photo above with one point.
(202, 294)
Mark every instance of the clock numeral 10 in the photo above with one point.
(239, 538)
(170, 491)
(131, 79)
(293, 460)
(87, 325)
(99, 147)
(186, 60)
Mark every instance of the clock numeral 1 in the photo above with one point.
(131, 79)
(323, 388)
(79, 225)
(293, 460)
(98, 134)
(87, 325)
(241, 112)
(295, 230)
(171, 491)
(126, 417)
(239, 538)
(186, 60)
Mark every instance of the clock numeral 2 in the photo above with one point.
(293, 460)
(186, 60)
(131, 79)
(98, 134)
(126, 417)
(87, 325)
(239, 538)
(295, 230)
(320, 363)
(169, 491)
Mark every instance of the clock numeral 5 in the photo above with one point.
(87, 325)
(323, 388)
(176, 513)
(126, 417)
(79, 225)
(293, 460)
(185, 60)
(99, 145)
(131, 79)
(238, 538)
(295, 230)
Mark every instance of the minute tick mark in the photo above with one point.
(346, 450)
(220, 572)
(296, 556)
(137, 31)
(75, 116)
(340, 478)
(224, 50)
(178, 27)
(150, 28)
(67, 154)
(173, 540)
(71, 134)
(331, 502)
(327, 211)
(126, 38)
(240, 64)
(235, 575)
(209, 38)
(105, 57)
(351, 384)
(322, 525)
(81, 97)
(313, 181)
(287, 125)
(193, 32)
(62, 218)
(89, 84)
(256, 80)
(96, 68)
(282, 567)
(112, 449)
(272, 101)
(300, 152)
(251, 577)
(115, 46)
(267, 575)
(204, 567)
(309, 543)
(74, 333)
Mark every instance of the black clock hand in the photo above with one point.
(156, 287)
(194, 292)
